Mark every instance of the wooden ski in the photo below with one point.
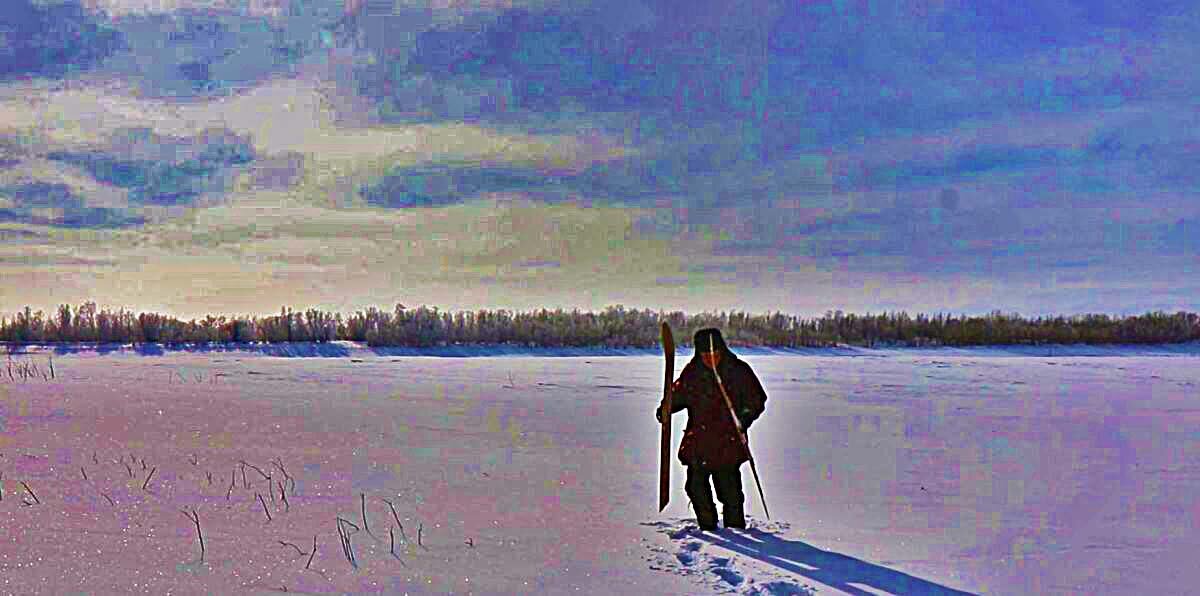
(664, 466)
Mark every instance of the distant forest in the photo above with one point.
(615, 327)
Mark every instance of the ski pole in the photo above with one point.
(741, 433)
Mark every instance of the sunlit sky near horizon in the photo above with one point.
(235, 156)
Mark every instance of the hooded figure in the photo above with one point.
(711, 446)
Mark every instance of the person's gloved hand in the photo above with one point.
(658, 414)
(744, 418)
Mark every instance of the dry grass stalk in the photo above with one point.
(347, 547)
(232, 481)
(393, 508)
(264, 504)
(342, 538)
(84, 472)
(148, 477)
(30, 491)
(196, 518)
(94, 460)
(256, 469)
(287, 505)
(364, 513)
(128, 469)
(278, 462)
(392, 539)
(314, 552)
(110, 501)
(293, 546)
(292, 482)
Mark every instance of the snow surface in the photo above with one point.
(982, 470)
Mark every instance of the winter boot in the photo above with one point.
(734, 517)
(706, 519)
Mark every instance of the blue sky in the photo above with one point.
(801, 156)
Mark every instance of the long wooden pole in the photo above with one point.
(738, 424)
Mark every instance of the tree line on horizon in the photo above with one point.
(614, 327)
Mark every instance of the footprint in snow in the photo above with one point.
(716, 568)
(728, 575)
(657, 524)
(779, 588)
(684, 532)
(687, 552)
(724, 570)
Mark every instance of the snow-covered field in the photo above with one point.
(886, 471)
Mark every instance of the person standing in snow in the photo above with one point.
(711, 446)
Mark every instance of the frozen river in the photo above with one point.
(885, 472)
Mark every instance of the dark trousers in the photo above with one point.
(728, 482)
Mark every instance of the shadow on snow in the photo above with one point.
(832, 569)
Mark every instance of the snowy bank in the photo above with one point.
(349, 349)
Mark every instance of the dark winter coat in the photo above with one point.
(710, 438)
